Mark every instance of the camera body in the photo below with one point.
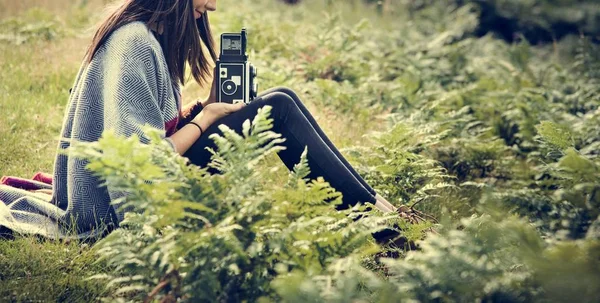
(236, 76)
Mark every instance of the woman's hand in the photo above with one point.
(212, 97)
(215, 111)
(184, 138)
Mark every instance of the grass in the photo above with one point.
(448, 100)
(33, 270)
(35, 77)
(34, 103)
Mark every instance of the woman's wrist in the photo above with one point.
(198, 126)
(203, 119)
(185, 137)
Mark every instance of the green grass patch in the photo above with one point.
(33, 270)
(498, 141)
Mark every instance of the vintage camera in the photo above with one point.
(236, 76)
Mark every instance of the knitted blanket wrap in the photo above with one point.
(125, 86)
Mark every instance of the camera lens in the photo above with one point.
(229, 88)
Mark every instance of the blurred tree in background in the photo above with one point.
(537, 20)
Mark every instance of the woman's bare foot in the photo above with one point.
(382, 207)
(385, 202)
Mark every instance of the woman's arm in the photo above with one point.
(185, 137)
(204, 113)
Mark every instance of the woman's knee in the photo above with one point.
(278, 99)
(280, 103)
(286, 90)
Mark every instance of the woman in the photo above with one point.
(130, 77)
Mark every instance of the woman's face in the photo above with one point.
(201, 6)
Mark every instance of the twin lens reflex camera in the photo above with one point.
(236, 76)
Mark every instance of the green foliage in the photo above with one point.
(499, 141)
(540, 19)
(556, 135)
(480, 262)
(396, 172)
(36, 24)
(37, 68)
(221, 237)
(536, 20)
(37, 270)
(491, 258)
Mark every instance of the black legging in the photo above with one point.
(295, 123)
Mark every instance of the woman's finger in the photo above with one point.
(235, 107)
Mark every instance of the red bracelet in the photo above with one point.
(198, 125)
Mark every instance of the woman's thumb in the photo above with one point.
(233, 107)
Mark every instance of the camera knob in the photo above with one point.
(253, 71)
(255, 89)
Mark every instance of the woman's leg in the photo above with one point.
(318, 129)
(320, 132)
(294, 126)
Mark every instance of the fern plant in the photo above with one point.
(198, 237)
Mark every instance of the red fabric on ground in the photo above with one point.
(39, 181)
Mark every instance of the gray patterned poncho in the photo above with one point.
(126, 85)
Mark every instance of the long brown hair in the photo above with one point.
(180, 39)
